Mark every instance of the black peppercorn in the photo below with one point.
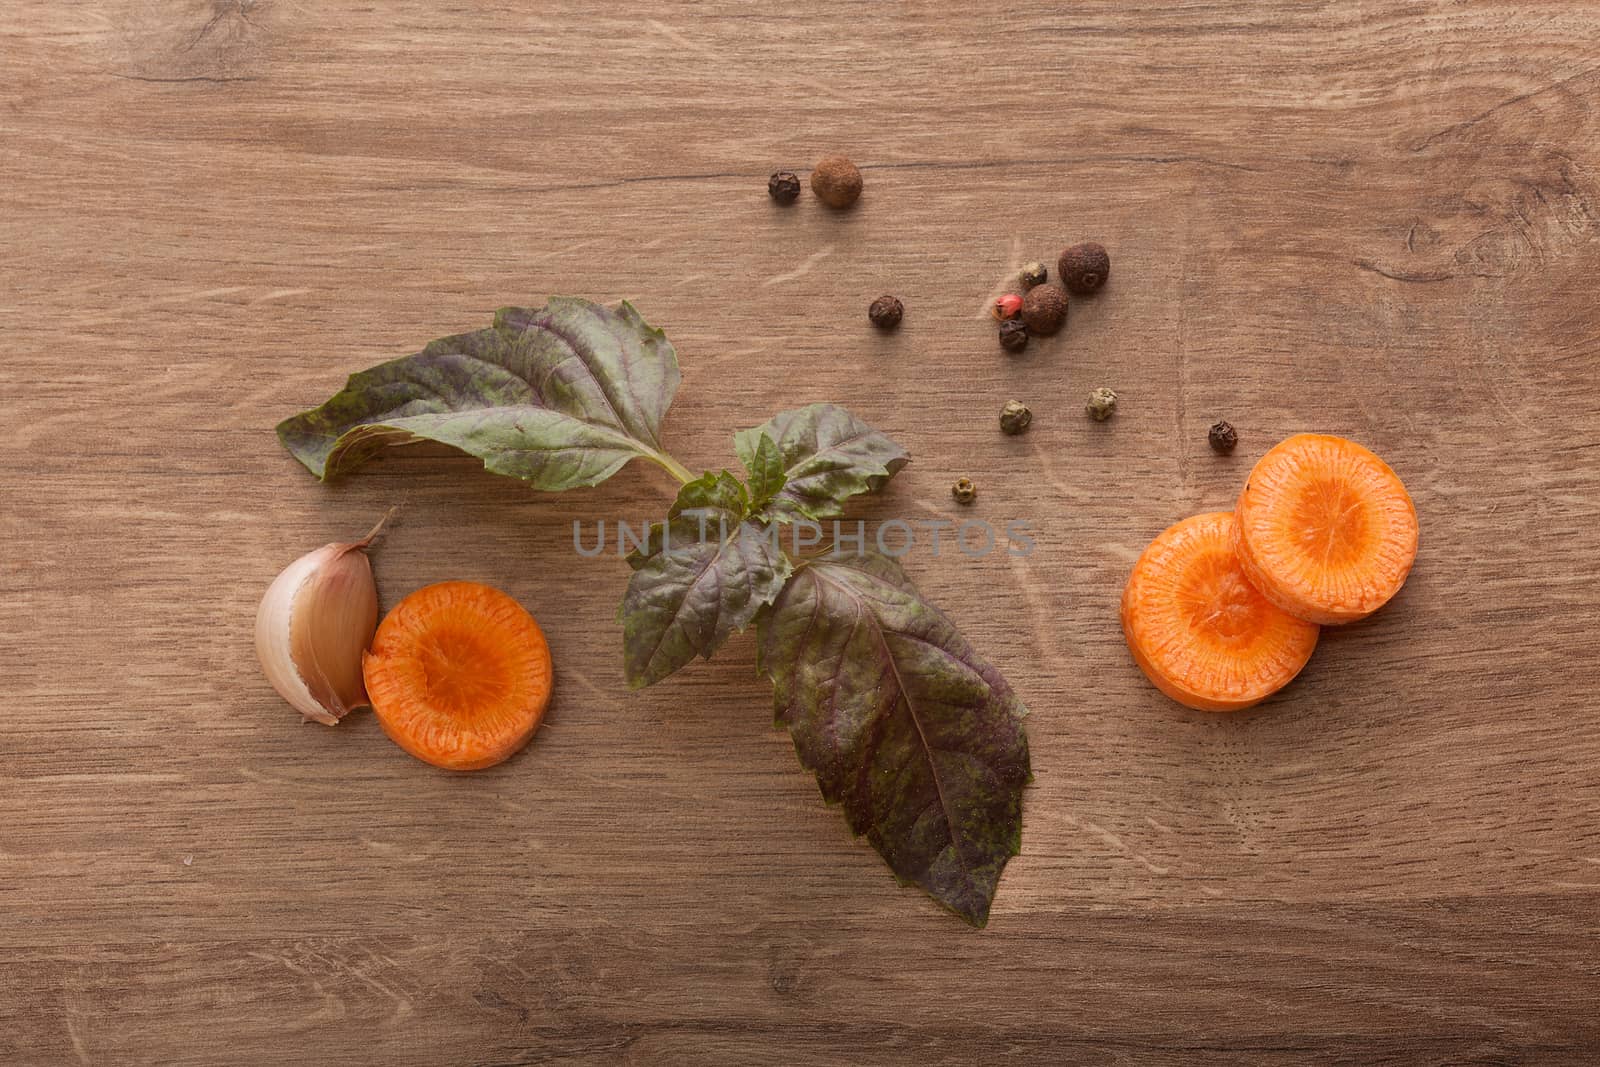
(784, 187)
(836, 181)
(1015, 417)
(1223, 437)
(964, 491)
(885, 312)
(1013, 335)
(1084, 267)
(1044, 309)
(1033, 274)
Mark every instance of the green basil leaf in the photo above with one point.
(561, 396)
(903, 724)
(703, 574)
(829, 455)
(767, 476)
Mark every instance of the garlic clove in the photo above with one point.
(315, 620)
(334, 617)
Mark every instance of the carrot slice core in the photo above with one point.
(1197, 627)
(1326, 530)
(459, 675)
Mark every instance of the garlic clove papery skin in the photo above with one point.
(315, 621)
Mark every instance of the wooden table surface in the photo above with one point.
(1368, 219)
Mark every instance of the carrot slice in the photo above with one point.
(1326, 530)
(1197, 627)
(459, 675)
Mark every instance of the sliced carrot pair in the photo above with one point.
(1222, 610)
(459, 675)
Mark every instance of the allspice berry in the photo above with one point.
(1033, 274)
(784, 186)
(964, 491)
(1013, 335)
(1044, 309)
(1084, 267)
(1015, 417)
(1102, 403)
(886, 312)
(836, 181)
(1223, 437)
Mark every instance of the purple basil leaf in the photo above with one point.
(561, 396)
(704, 573)
(917, 737)
(829, 456)
(767, 476)
(720, 496)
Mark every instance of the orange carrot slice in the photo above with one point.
(459, 675)
(1199, 630)
(1326, 530)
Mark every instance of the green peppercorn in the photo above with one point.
(964, 491)
(1013, 335)
(1033, 274)
(784, 186)
(1015, 417)
(1223, 437)
(886, 312)
(1102, 403)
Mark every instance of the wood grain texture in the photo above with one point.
(1368, 219)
